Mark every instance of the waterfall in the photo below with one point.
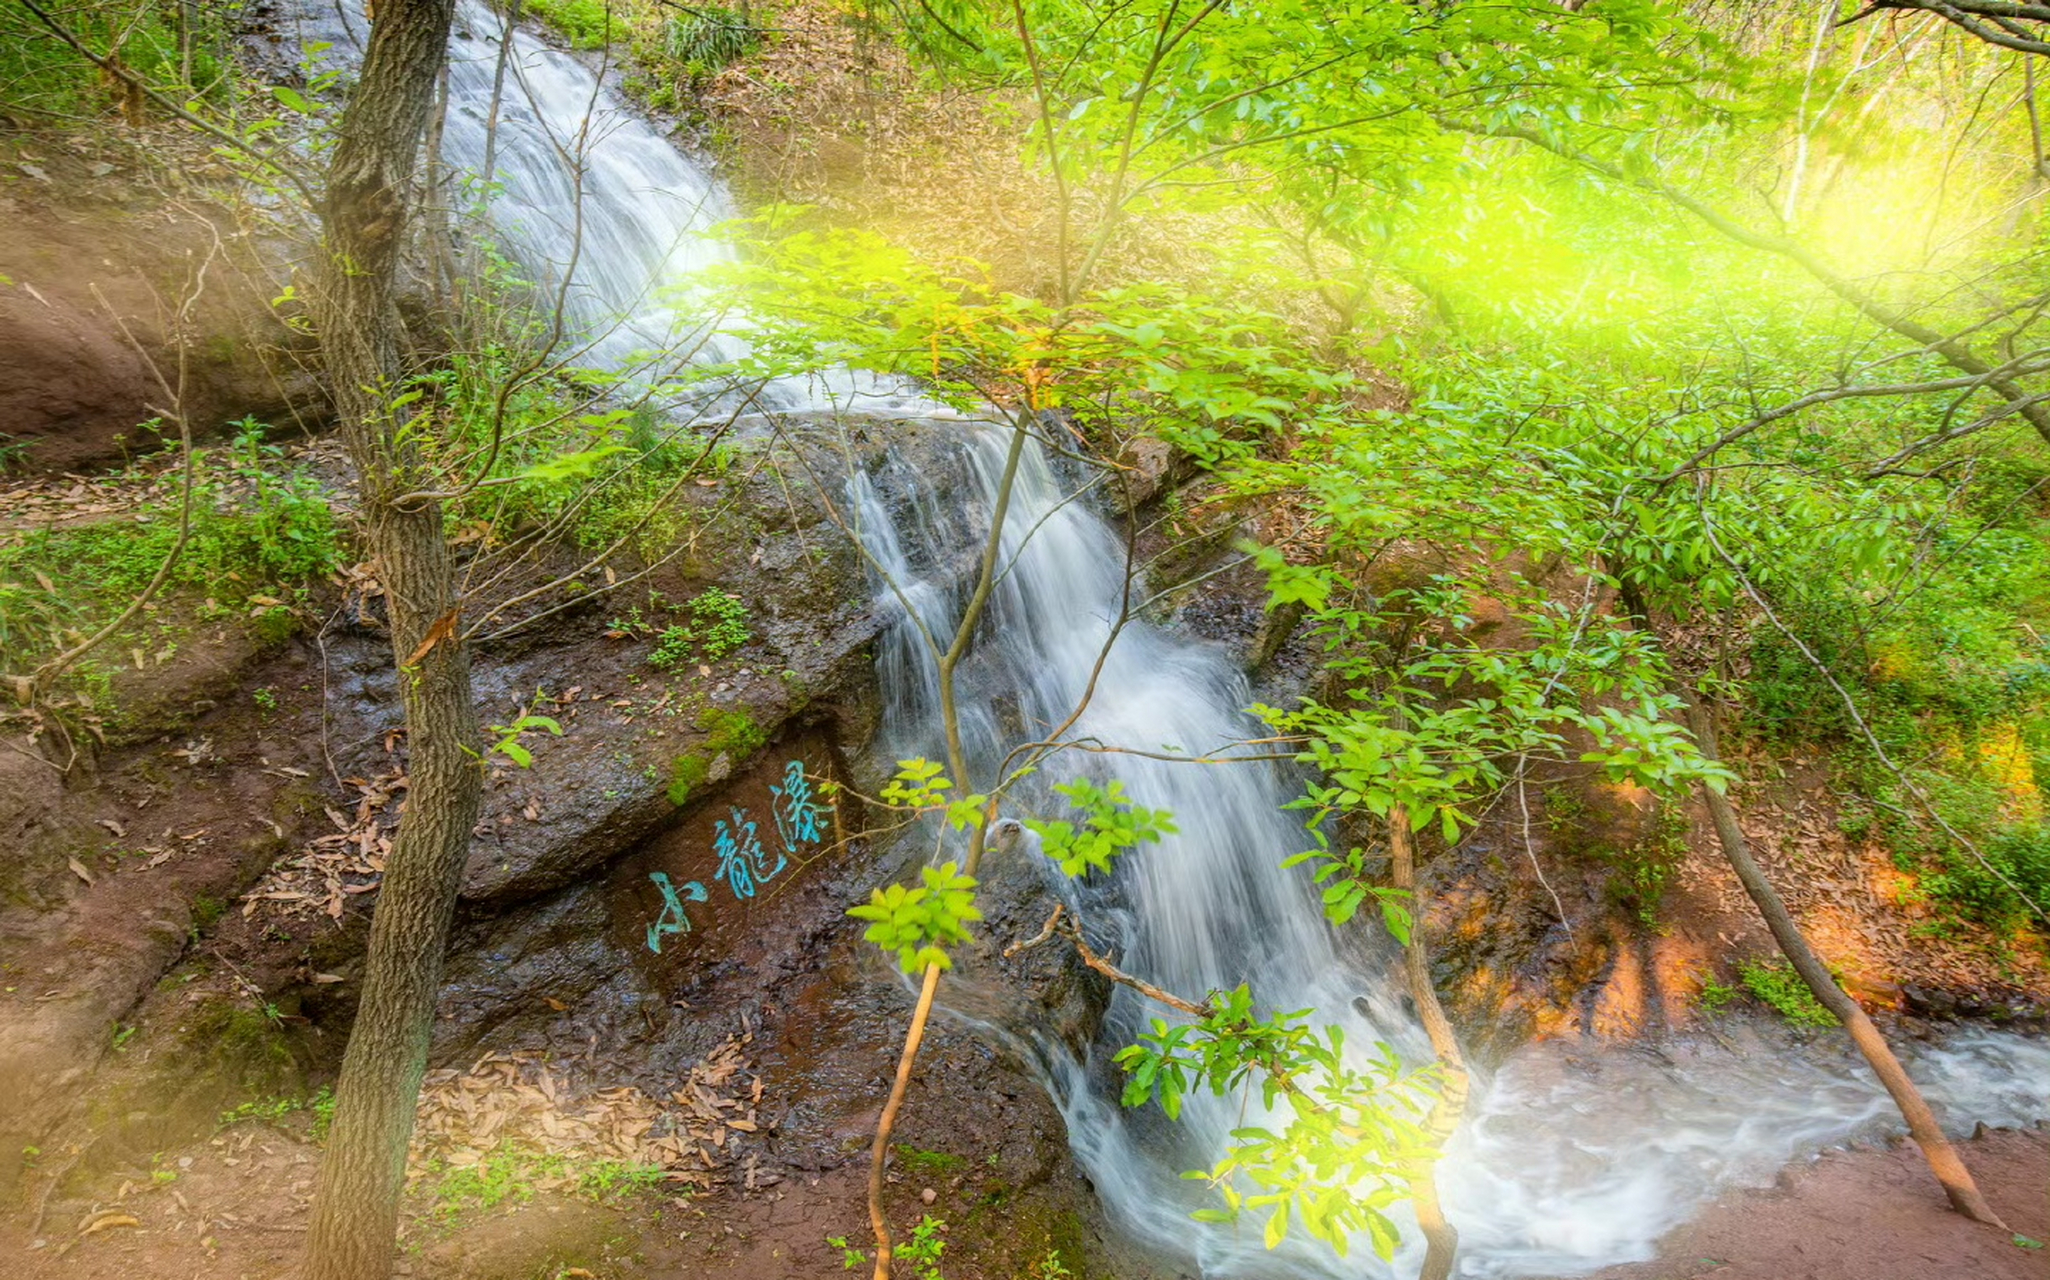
(595, 208)
(1571, 1158)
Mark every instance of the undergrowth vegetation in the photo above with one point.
(1583, 375)
(186, 50)
(261, 535)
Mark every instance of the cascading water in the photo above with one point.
(1569, 1160)
(1566, 1164)
(597, 209)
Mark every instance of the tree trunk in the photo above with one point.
(1936, 1148)
(355, 1216)
(1440, 1236)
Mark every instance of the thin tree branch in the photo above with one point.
(272, 160)
(1955, 353)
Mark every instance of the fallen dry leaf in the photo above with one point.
(104, 1221)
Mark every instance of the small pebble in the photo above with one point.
(928, 1195)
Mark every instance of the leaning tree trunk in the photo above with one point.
(1441, 1238)
(1928, 1134)
(1936, 1148)
(355, 1215)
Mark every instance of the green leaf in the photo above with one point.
(1383, 1234)
(1277, 1226)
(569, 467)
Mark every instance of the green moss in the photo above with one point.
(733, 734)
(206, 912)
(1646, 868)
(686, 774)
(1040, 1240)
(928, 1164)
(218, 1054)
(246, 1041)
(274, 626)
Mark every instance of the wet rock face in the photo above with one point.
(1044, 991)
(691, 830)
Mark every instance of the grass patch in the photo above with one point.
(262, 532)
(511, 1174)
(586, 24)
(1775, 985)
(705, 42)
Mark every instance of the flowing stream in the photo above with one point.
(1572, 1158)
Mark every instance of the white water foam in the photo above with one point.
(1571, 1159)
(599, 209)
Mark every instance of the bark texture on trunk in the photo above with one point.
(364, 216)
(1441, 1238)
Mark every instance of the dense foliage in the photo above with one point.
(1709, 384)
(1696, 347)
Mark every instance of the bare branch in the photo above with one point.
(2032, 363)
(1973, 16)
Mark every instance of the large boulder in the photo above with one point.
(91, 340)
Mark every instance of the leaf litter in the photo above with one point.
(332, 868)
(694, 1135)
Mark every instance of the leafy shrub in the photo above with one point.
(1782, 990)
(709, 39)
(717, 627)
(586, 24)
(2020, 853)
